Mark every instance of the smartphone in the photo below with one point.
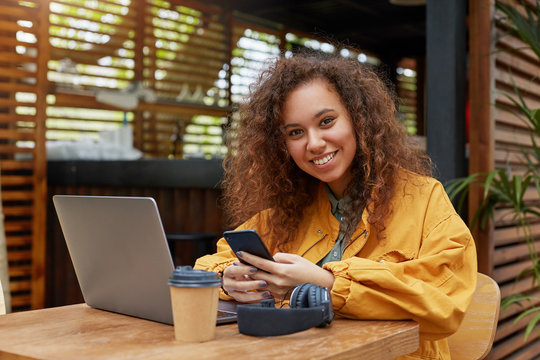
(248, 241)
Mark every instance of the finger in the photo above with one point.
(287, 258)
(238, 270)
(251, 297)
(256, 261)
(244, 286)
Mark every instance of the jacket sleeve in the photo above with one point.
(434, 289)
(218, 262)
(223, 258)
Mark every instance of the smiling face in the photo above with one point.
(319, 134)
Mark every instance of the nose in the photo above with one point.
(315, 143)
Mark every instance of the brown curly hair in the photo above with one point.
(259, 173)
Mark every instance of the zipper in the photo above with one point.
(364, 232)
(312, 245)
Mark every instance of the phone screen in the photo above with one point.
(248, 241)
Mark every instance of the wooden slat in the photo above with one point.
(509, 254)
(12, 118)
(126, 23)
(11, 26)
(510, 345)
(532, 102)
(19, 255)
(7, 180)
(525, 86)
(17, 210)
(510, 272)
(116, 42)
(510, 235)
(201, 6)
(510, 61)
(17, 226)
(20, 270)
(130, 14)
(13, 149)
(513, 136)
(97, 51)
(17, 12)
(175, 84)
(20, 301)
(16, 165)
(16, 87)
(79, 56)
(15, 286)
(12, 240)
(12, 195)
(10, 42)
(516, 46)
(526, 353)
(509, 327)
(17, 134)
(14, 58)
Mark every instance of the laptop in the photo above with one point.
(121, 256)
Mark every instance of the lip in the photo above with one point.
(332, 154)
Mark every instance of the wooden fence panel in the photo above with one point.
(511, 66)
(22, 144)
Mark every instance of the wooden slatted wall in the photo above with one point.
(503, 252)
(185, 59)
(23, 54)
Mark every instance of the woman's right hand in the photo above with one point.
(238, 284)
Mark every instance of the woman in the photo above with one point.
(320, 167)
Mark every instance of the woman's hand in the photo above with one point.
(288, 271)
(238, 283)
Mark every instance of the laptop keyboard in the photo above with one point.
(224, 313)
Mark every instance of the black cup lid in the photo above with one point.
(186, 276)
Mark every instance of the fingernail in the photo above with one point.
(262, 283)
(239, 254)
(236, 263)
(267, 294)
(253, 270)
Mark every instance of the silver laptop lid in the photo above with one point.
(120, 253)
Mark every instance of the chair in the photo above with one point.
(2, 302)
(474, 338)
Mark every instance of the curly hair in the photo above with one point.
(260, 175)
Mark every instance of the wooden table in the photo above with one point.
(80, 332)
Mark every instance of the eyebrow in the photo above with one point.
(321, 112)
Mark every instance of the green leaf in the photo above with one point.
(532, 324)
(487, 183)
(526, 313)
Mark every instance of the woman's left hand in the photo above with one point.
(288, 271)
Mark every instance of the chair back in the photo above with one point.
(2, 302)
(474, 338)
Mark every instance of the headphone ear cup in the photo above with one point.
(299, 296)
(314, 296)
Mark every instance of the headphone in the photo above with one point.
(310, 305)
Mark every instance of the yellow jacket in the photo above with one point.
(424, 268)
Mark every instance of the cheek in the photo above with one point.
(295, 150)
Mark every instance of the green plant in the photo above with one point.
(501, 188)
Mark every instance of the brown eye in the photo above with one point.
(295, 132)
(327, 121)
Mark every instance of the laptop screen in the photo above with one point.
(120, 253)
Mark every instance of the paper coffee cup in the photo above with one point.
(194, 298)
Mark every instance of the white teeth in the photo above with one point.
(324, 160)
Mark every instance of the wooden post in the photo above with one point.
(139, 7)
(40, 162)
(481, 126)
